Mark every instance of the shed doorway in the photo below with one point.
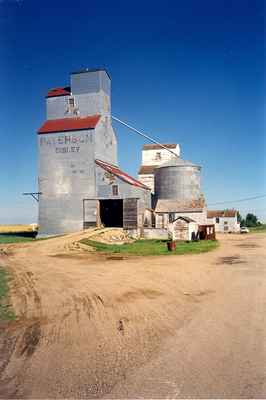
(111, 213)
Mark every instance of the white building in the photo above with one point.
(183, 228)
(225, 221)
(154, 155)
(168, 211)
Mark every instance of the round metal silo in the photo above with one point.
(178, 180)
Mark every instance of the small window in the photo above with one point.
(225, 223)
(71, 102)
(171, 217)
(217, 220)
(158, 155)
(115, 190)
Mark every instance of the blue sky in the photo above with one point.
(190, 72)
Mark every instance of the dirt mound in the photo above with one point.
(112, 236)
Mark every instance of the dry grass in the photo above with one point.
(19, 228)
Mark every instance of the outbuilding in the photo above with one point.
(183, 229)
(225, 221)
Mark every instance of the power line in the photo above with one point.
(170, 151)
(239, 200)
(144, 135)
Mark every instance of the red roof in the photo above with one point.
(69, 124)
(59, 92)
(120, 174)
(221, 213)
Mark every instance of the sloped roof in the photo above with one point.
(166, 206)
(187, 219)
(147, 169)
(69, 124)
(157, 147)
(65, 91)
(177, 162)
(221, 213)
(174, 162)
(113, 169)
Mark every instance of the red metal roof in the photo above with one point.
(59, 92)
(221, 213)
(120, 174)
(69, 124)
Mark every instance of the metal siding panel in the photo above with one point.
(56, 107)
(105, 142)
(85, 82)
(92, 104)
(90, 82)
(105, 83)
(65, 179)
(182, 183)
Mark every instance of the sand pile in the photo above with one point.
(112, 236)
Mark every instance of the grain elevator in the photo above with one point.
(80, 183)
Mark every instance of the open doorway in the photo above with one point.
(111, 213)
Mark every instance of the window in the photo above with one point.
(71, 102)
(171, 217)
(225, 223)
(158, 155)
(217, 220)
(115, 190)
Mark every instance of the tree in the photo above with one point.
(251, 220)
(240, 220)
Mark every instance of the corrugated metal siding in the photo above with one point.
(182, 183)
(105, 142)
(105, 82)
(90, 82)
(66, 177)
(125, 190)
(85, 82)
(56, 107)
(85, 105)
(92, 103)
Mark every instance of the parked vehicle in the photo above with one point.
(244, 229)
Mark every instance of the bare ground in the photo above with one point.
(85, 322)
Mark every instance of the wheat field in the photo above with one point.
(18, 228)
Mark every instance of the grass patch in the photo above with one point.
(258, 229)
(5, 239)
(153, 247)
(6, 312)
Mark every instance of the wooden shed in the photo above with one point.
(184, 228)
(207, 232)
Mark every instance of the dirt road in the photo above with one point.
(164, 327)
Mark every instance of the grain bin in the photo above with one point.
(178, 180)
